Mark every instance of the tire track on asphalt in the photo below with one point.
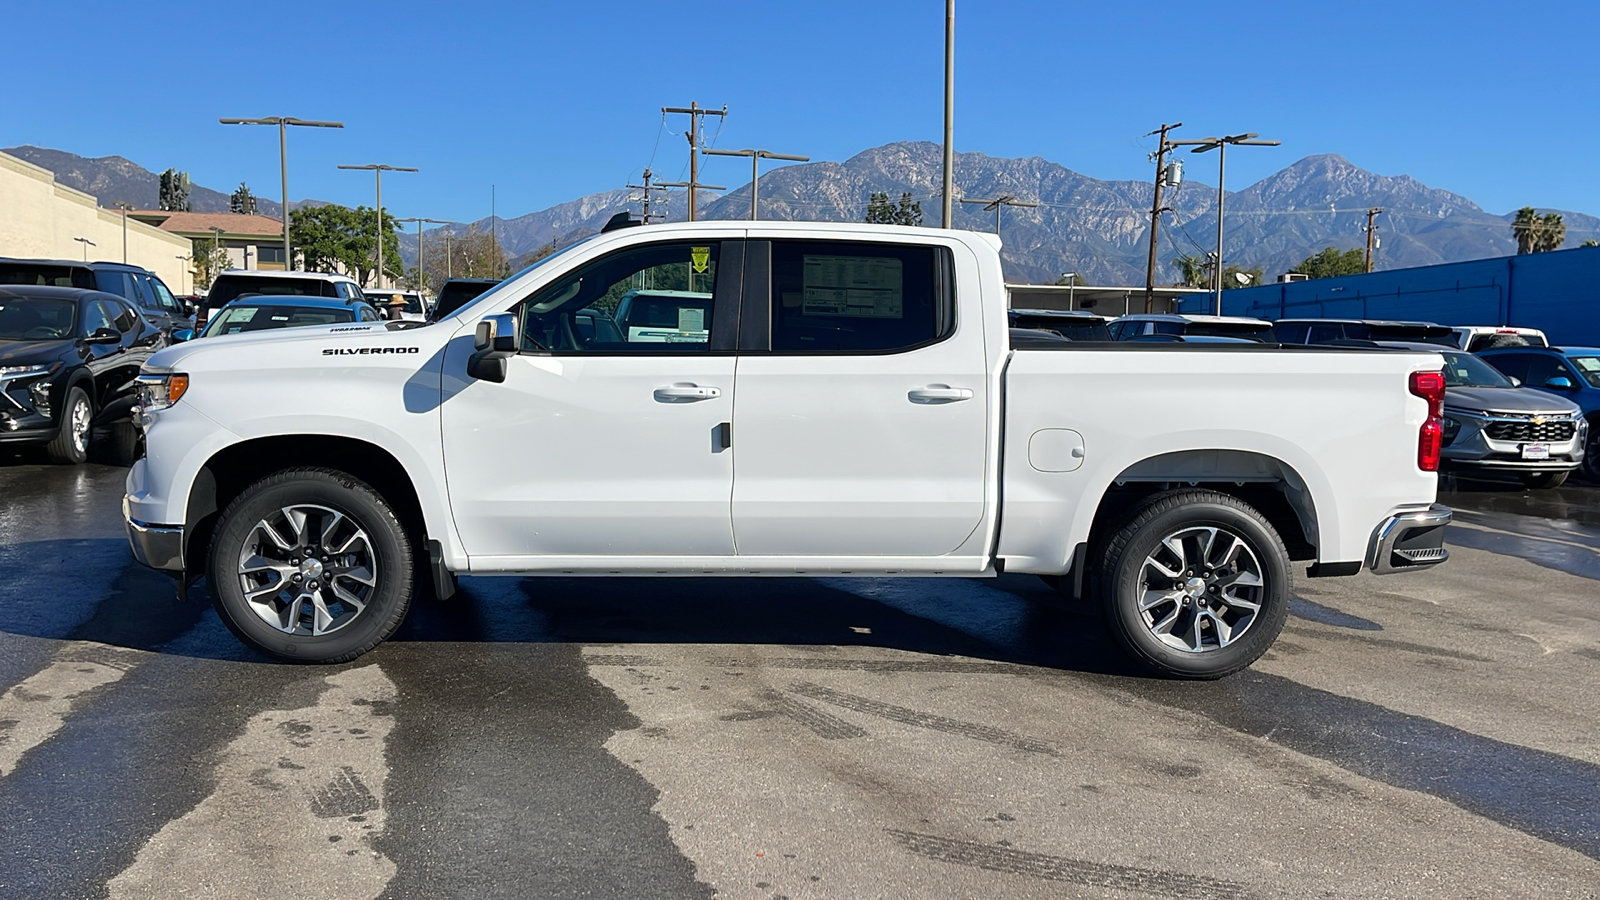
(297, 803)
(1083, 872)
(904, 716)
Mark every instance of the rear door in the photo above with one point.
(859, 425)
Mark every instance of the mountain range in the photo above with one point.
(1097, 229)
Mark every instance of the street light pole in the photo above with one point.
(949, 112)
(86, 245)
(377, 172)
(755, 174)
(1220, 144)
(998, 203)
(125, 207)
(283, 164)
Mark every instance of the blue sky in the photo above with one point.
(549, 101)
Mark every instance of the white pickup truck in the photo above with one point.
(828, 399)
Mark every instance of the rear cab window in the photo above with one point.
(832, 297)
(229, 288)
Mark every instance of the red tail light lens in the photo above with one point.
(1430, 440)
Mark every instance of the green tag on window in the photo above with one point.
(699, 257)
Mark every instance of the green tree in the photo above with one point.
(1230, 277)
(242, 201)
(1537, 234)
(209, 260)
(174, 195)
(1552, 234)
(1193, 271)
(338, 238)
(1591, 242)
(882, 211)
(1330, 263)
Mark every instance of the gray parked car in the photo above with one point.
(1492, 425)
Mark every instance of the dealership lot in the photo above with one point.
(1426, 735)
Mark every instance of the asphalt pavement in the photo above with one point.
(1423, 735)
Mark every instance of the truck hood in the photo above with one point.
(1512, 400)
(182, 357)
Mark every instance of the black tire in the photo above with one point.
(125, 440)
(70, 445)
(1541, 480)
(1122, 582)
(331, 491)
(1591, 454)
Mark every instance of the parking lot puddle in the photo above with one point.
(1327, 615)
(298, 799)
(1561, 555)
(34, 710)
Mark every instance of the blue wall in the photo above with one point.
(1557, 293)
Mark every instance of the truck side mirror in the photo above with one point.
(494, 342)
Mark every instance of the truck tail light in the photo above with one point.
(1430, 440)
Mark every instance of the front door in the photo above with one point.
(607, 437)
(860, 425)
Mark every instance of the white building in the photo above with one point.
(40, 219)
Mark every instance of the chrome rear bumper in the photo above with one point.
(1410, 540)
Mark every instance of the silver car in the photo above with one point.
(1494, 426)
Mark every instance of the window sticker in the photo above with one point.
(1587, 363)
(861, 286)
(699, 257)
(691, 318)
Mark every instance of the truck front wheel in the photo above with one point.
(311, 565)
(1195, 585)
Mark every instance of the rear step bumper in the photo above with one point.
(1408, 541)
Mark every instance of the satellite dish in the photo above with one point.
(1242, 277)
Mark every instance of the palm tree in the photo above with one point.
(1195, 271)
(1552, 233)
(1525, 228)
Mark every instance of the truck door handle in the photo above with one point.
(686, 393)
(939, 393)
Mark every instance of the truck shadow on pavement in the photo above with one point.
(91, 590)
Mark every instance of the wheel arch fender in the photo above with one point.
(234, 467)
(1289, 491)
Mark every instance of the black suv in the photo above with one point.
(140, 287)
(68, 362)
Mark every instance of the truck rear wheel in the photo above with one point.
(311, 565)
(1195, 585)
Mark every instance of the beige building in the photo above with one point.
(41, 219)
(251, 242)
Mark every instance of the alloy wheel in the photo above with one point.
(1201, 589)
(308, 570)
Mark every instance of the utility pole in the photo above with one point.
(755, 174)
(1205, 145)
(1372, 232)
(649, 197)
(695, 112)
(947, 194)
(377, 172)
(283, 163)
(997, 204)
(1156, 209)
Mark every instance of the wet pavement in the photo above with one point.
(1427, 735)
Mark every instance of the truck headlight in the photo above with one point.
(157, 392)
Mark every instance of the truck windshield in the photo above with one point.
(1466, 370)
(231, 287)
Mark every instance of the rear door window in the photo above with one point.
(852, 297)
(114, 283)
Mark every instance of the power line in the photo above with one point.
(695, 113)
(997, 204)
(647, 187)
